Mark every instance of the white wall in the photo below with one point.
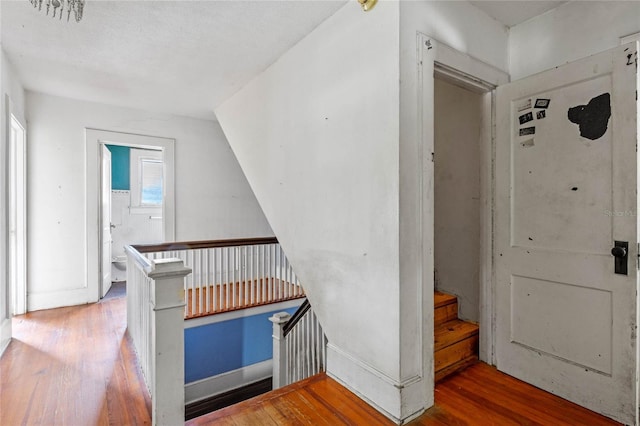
(458, 126)
(572, 31)
(317, 137)
(213, 199)
(11, 88)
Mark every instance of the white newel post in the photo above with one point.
(279, 349)
(167, 336)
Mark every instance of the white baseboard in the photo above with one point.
(57, 299)
(205, 388)
(399, 401)
(5, 334)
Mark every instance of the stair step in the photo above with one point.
(455, 357)
(455, 341)
(455, 367)
(452, 332)
(442, 299)
(445, 312)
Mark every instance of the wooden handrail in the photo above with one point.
(191, 245)
(297, 316)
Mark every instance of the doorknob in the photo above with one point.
(619, 251)
(620, 254)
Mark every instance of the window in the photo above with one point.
(150, 182)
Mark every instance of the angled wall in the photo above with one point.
(317, 137)
(328, 139)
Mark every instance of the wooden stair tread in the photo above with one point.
(452, 332)
(442, 299)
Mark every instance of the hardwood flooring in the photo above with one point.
(479, 395)
(73, 366)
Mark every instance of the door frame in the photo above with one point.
(94, 139)
(17, 192)
(438, 59)
(104, 153)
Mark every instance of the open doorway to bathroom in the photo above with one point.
(131, 201)
(131, 208)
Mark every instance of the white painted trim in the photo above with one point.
(93, 138)
(241, 313)
(56, 299)
(480, 77)
(205, 388)
(629, 38)
(5, 334)
(17, 251)
(355, 374)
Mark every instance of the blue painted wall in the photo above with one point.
(120, 167)
(213, 349)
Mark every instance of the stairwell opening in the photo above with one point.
(458, 138)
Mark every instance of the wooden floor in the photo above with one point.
(72, 366)
(480, 395)
(75, 366)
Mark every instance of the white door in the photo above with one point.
(566, 179)
(105, 220)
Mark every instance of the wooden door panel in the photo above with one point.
(566, 190)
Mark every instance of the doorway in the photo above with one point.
(131, 206)
(17, 217)
(458, 123)
(145, 212)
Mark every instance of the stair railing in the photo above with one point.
(230, 274)
(155, 306)
(299, 346)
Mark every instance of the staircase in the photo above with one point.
(456, 341)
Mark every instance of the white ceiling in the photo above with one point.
(512, 13)
(179, 57)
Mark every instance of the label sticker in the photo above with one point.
(526, 104)
(525, 118)
(528, 143)
(542, 103)
(527, 131)
(541, 114)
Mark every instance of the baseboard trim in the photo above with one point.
(212, 386)
(57, 299)
(400, 401)
(226, 399)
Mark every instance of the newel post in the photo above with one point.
(167, 337)
(279, 349)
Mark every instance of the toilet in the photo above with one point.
(119, 268)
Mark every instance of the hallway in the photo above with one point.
(76, 367)
(73, 366)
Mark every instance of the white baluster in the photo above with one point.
(279, 349)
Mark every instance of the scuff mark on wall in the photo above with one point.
(593, 118)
